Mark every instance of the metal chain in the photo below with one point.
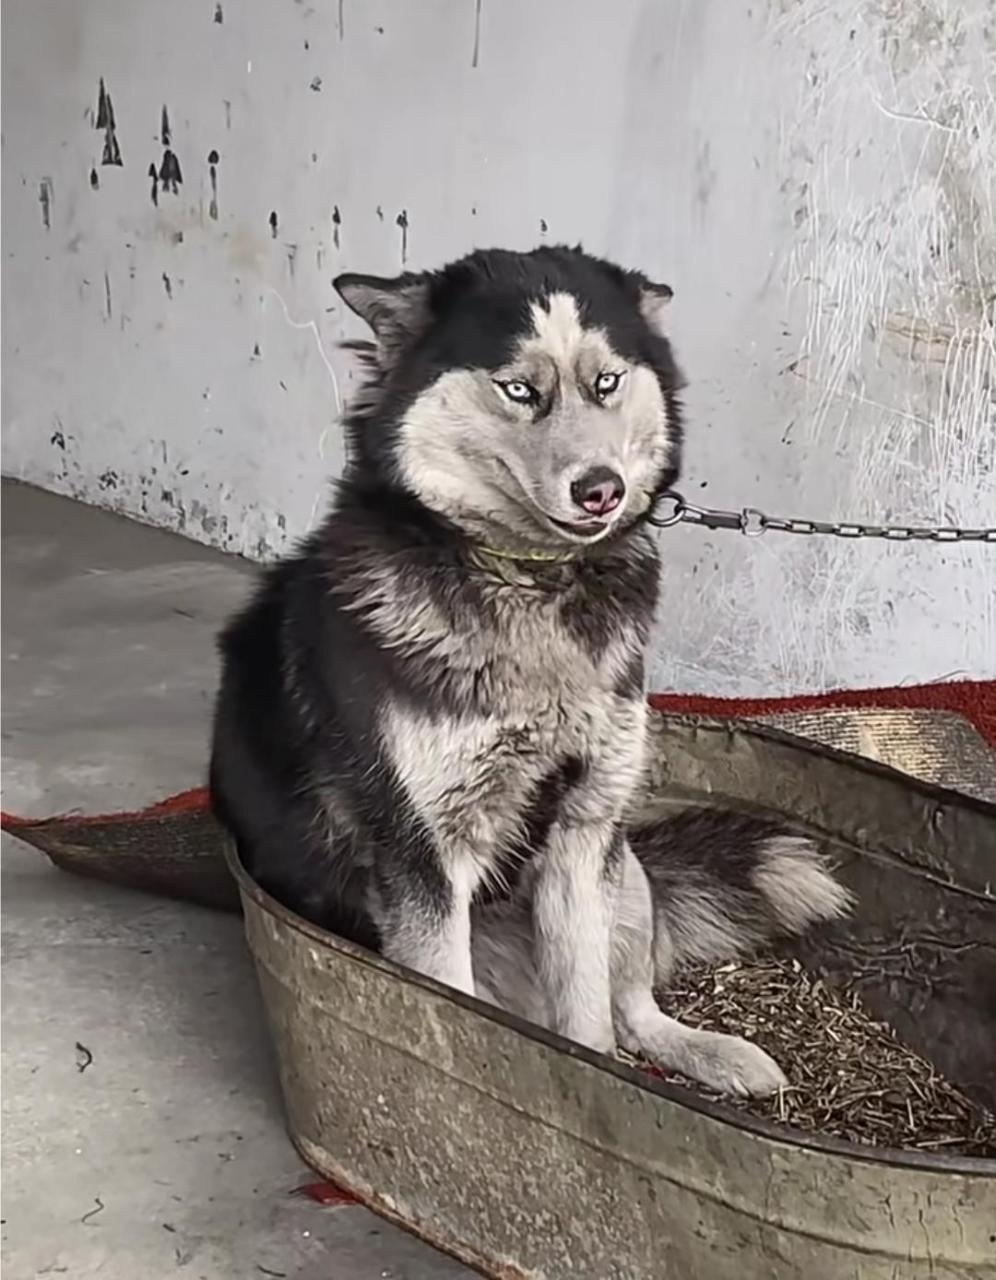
(752, 523)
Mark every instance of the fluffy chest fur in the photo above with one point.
(504, 685)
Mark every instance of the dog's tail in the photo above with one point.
(724, 884)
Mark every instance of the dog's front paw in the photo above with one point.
(730, 1064)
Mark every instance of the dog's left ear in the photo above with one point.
(654, 298)
(397, 309)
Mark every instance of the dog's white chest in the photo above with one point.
(544, 700)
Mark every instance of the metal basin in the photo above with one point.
(525, 1155)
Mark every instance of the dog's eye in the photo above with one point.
(519, 392)
(606, 383)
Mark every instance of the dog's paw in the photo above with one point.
(730, 1064)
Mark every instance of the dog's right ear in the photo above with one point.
(397, 309)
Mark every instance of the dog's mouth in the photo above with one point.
(580, 528)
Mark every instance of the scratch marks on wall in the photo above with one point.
(45, 199)
(105, 120)
(890, 202)
(401, 221)
(213, 159)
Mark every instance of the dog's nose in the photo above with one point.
(599, 491)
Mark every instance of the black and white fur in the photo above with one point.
(432, 720)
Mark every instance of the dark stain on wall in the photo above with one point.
(336, 224)
(94, 180)
(105, 120)
(45, 198)
(274, 223)
(170, 175)
(219, 15)
(168, 286)
(316, 84)
(213, 159)
(402, 221)
(154, 175)
(169, 172)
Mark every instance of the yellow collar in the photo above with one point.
(529, 557)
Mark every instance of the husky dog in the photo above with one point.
(432, 721)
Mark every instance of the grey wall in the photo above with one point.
(816, 180)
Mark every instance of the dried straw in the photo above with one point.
(850, 1076)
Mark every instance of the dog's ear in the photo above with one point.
(397, 309)
(654, 298)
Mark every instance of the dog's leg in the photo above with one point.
(728, 1064)
(572, 914)
(424, 921)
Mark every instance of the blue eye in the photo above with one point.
(519, 392)
(606, 383)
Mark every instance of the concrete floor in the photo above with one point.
(166, 1155)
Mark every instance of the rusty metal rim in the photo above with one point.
(715, 1110)
(807, 746)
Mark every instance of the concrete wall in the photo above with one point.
(815, 179)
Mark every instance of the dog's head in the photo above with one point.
(528, 398)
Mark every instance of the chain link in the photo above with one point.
(752, 523)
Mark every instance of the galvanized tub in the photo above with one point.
(526, 1155)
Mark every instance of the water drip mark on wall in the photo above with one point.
(336, 224)
(213, 173)
(228, 113)
(477, 34)
(45, 198)
(402, 221)
(94, 180)
(108, 310)
(339, 21)
(274, 224)
(105, 121)
(168, 286)
(165, 136)
(154, 175)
